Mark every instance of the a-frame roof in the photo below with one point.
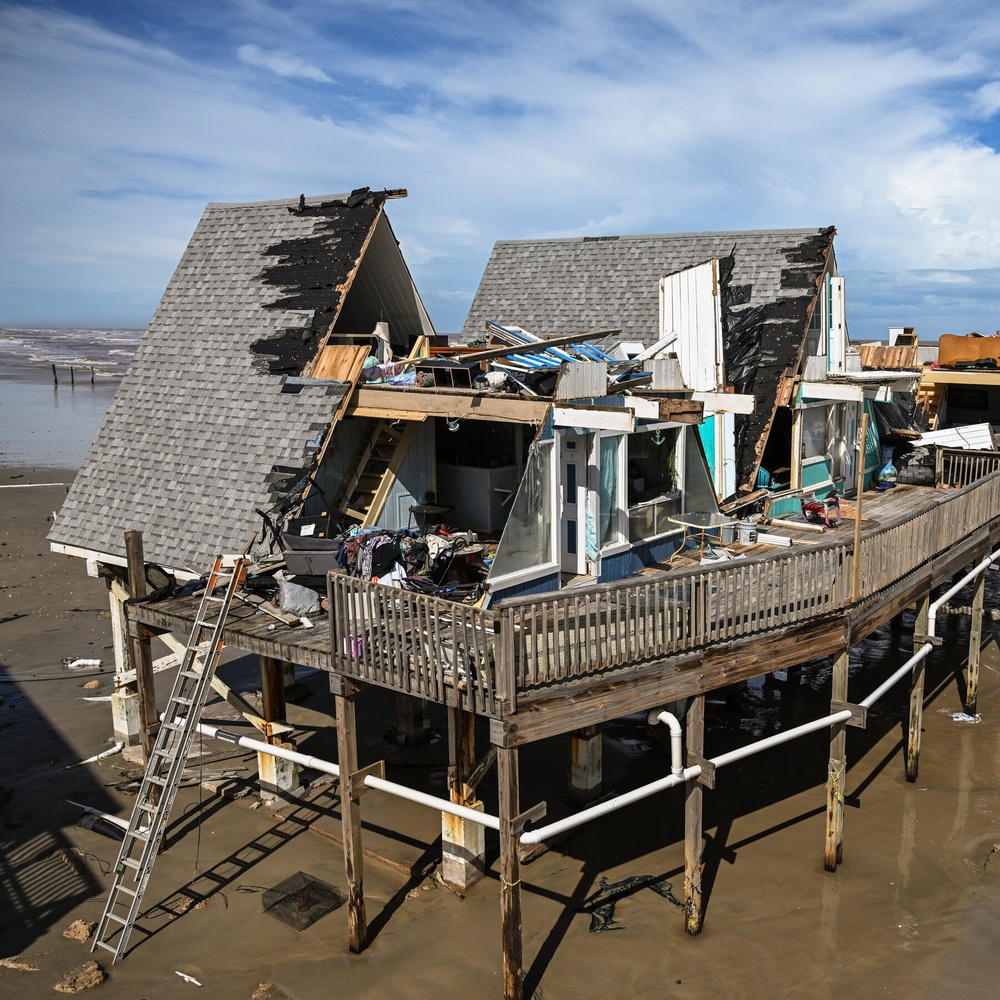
(769, 283)
(200, 434)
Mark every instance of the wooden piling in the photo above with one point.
(55, 376)
(836, 779)
(350, 812)
(272, 691)
(917, 691)
(693, 832)
(510, 874)
(975, 645)
(139, 646)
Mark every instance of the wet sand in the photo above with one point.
(913, 911)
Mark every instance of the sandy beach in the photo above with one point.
(913, 911)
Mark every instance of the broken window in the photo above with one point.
(527, 538)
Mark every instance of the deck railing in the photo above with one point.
(460, 655)
(421, 645)
(960, 467)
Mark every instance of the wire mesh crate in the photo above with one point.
(301, 900)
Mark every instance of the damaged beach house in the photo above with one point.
(544, 526)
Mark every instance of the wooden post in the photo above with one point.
(836, 778)
(142, 658)
(276, 775)
(917, 692)
(272, 690)
(463, 842)
(975, 644)
(586, 759)
(694, 861)
(855, 560)
(350, 812)
(510, 874)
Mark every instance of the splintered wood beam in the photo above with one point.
(176, 656)
(533, 347)
(684, 411)
(410, 403)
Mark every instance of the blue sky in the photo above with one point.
(120, 120)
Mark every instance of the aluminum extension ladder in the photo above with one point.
(166, 764)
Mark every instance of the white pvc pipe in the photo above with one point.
(933, 610)
(925, 649)
(482, 818)
(678, 775)
(121, 823)
(371, 781)
(611, 805)
(778, 738)
(897, 676)
(676, 737)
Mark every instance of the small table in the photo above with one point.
(697, 524)
(425, 511)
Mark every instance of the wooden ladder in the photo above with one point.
(373, 471)
(928, 402)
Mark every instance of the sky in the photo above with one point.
(121, 119)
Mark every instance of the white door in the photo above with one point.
(573, 503)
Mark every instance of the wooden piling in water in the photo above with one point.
(55, 376)
(975, 645)
(693, 824)
(837, 767)
(344, 693)
(917, 692)
(510, 874)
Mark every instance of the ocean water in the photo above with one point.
(48, 419)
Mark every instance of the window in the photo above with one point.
(609, 488)
(653, 482)
(527, 538)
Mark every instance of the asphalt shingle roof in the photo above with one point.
(769, 278)
(199, 433)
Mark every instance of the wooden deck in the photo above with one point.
(548, 664)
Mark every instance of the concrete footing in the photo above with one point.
(127, 725)
(463, 849)
(413, 724)
(278, 777)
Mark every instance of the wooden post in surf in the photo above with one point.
(917, 691)
(836, 779)
(463, 841)
(55, 376)
(694, 846)
(975, 642)
(276, 775)
(350, 811)
(142, 658)
(862, 449)
(510, 874)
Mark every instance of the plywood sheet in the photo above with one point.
(340, 361)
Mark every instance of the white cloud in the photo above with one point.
(986, 100)
(281, 64)
(560, 118)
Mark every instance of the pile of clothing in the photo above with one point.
(436, 561)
